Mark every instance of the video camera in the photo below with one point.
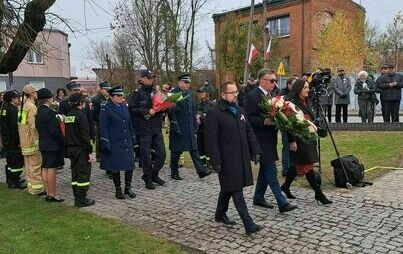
(320, 80)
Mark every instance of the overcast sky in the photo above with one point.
(96, 15)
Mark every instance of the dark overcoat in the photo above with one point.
(307, 152)
(390, 93)
(231, 143)
(50, 137)
(116, 132)
(183, 125)
(266, 135)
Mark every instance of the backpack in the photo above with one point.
(354, 171)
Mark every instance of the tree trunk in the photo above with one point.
(34, 22)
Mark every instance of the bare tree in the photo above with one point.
(395, 35)
(19, 33)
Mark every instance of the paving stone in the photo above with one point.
(361, 220)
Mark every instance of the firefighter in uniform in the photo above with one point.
(65, 107)
(202, 107)
(97, 103)
(148, 129)
(79, 150)
(29, 139)
(11, 140)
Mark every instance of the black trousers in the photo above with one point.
(390, 111)
(240, 205)
(338, 113)
(327, 109)
(151, 166)
(197, 162)
(14, 165)
(80, 167)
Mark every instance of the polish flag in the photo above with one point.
(252, 54)
(268, 52)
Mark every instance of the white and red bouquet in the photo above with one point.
(288, 117)
(161, 102)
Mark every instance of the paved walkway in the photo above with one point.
(362, 220)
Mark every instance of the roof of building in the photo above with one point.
(52, 30)
(270, 3)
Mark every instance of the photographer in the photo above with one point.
(342, 87)
(303, 155)
(365, 89)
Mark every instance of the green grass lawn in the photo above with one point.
(30, 225)
(371, 148)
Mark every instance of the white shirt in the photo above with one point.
(264, 91)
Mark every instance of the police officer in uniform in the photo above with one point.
(11, 140)
(182, 136)
(148, 129)
(202, 107)
(65, 107)
(97, 103)
(79, 149)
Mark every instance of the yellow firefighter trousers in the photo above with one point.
(33, 173)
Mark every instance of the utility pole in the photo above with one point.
(11, 80)
(264, 22)
(252, 7)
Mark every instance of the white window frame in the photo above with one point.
(35, 54)
(3, 86)
(278, 21)
(38, 84)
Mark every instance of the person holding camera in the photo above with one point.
(342, 87)
(303, 155)
(231, 142)
(365, 89)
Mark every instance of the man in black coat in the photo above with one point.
(384, 70)
(182, 131)
(249, 87)
(266, 134)
(391, 85)
(97, 103)
(232, 144)
(148, 130)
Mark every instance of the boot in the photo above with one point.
(149, 185)
(82, 200)
(74, 187)
(8, 181)
(320, 197)
(119, 194)
(157, 179)
(128, 184)
(291, 174)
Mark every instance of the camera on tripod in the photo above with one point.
(320, 81)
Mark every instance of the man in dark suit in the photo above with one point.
(266, 134)
(182, 131)
(231, 143)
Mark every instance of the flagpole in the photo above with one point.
(266, 63)
(245, 75)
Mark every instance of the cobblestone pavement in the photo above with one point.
(362, 220)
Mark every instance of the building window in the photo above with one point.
(3, 86)
(38, 84)
(279, 26)
(35, 54)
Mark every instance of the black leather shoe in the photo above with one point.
(254, 230)
(205, 173)
(176, 177)
(53, 199)
(287, 192)
(130, 193)
(119, 194)
(158, 180)
(150, 185)
(263, 203)
(288, 207)
(225, 220)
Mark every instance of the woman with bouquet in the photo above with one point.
(303, 153)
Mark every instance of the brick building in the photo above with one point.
(295, 22)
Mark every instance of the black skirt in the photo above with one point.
(52, 159)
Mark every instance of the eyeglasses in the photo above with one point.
(233, 92)
(270, 80)
(391, 68)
